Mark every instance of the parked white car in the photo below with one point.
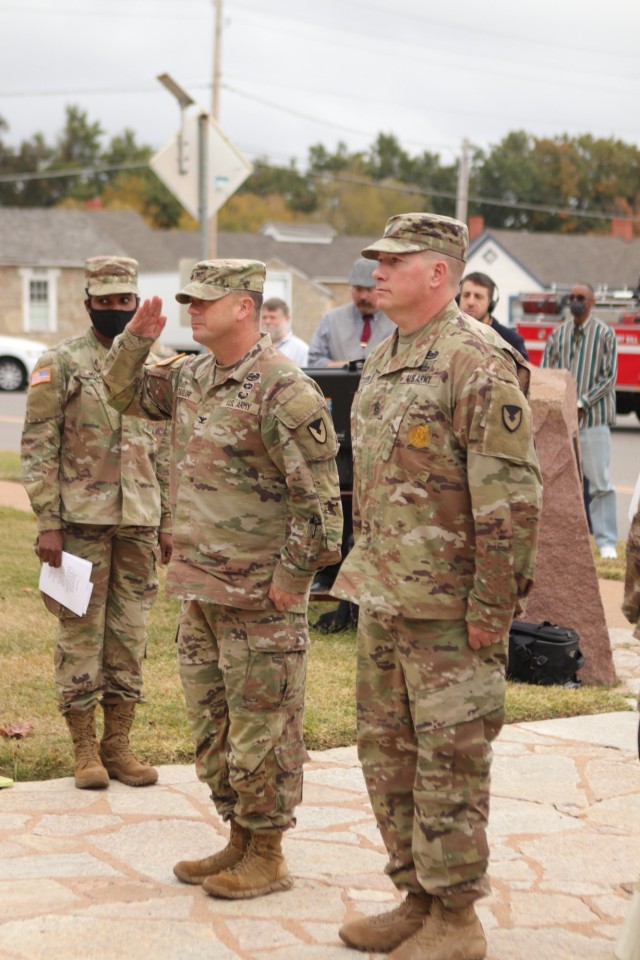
(18, 357)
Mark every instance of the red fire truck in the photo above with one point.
(535, 315)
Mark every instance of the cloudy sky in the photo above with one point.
(296, 72)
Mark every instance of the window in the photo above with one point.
(39, 289)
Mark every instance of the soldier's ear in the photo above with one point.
(87, 305)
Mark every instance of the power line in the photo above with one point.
(556, 210)
(70, 172)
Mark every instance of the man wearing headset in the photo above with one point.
(478, 297)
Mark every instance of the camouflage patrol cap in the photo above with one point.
(107, 275)
(213, 279)
(413, 232)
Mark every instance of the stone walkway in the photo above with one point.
(88, 874)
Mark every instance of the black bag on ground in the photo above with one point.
(544, 654)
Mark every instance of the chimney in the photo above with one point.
(95, 203)
(622, 229)
(476, 227)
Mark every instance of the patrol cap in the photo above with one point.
(213, 279)
(413, 232)
(107, 275)
(361, 271)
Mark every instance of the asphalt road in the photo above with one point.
(625, 464)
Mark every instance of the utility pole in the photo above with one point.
(462, 192)
(215, 109)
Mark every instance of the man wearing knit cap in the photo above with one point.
(99, 486)
(352, 331)
(257, 511)
(446, 500)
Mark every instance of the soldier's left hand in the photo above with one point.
(477, 637)
(282, 599)
(165, 542)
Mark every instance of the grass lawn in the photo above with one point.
(160, 734)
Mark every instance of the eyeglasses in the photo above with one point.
(578, 296)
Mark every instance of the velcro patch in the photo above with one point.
(508, 430)
(43, 375)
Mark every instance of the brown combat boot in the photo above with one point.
(195, 871)
(262, 870)
(384, 932)
(445, 935)
(115, 752)
(89, 772)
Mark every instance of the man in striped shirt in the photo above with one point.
(586, 347)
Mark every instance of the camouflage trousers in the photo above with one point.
(428, 709)
(103, 651)
(243, 673)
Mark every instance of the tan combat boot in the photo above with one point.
(115, 752)
(384, 932)
(89, 772)
(445, 935)
(195, 871)
(262, 870)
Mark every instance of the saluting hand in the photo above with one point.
(148, 320)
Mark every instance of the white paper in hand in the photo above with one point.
(70, 583)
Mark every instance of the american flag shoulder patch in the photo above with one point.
(43, 375)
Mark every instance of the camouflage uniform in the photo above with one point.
(628, 944)
(446, 503)
(256, 501)
(103, 480)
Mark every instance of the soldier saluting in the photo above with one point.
(257, 511)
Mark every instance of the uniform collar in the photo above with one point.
(243, 366)
(399, 356)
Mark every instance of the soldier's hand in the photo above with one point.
(477, 637)
(148, 320)
(49, 548)
(165, 542)
(282, 599)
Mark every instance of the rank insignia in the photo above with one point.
(419, 437)
(511, 416)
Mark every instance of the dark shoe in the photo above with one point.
(195, 871)
(382, 933)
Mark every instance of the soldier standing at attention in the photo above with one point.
(446, 502)
(257, 511)
(99, 486)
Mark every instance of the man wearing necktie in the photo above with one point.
(352, 331)
(587, 348)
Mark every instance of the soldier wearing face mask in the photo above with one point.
(586, 347)
(99, 486)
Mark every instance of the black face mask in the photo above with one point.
(578, 308)
(110, 322)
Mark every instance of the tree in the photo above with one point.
(570, 174)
